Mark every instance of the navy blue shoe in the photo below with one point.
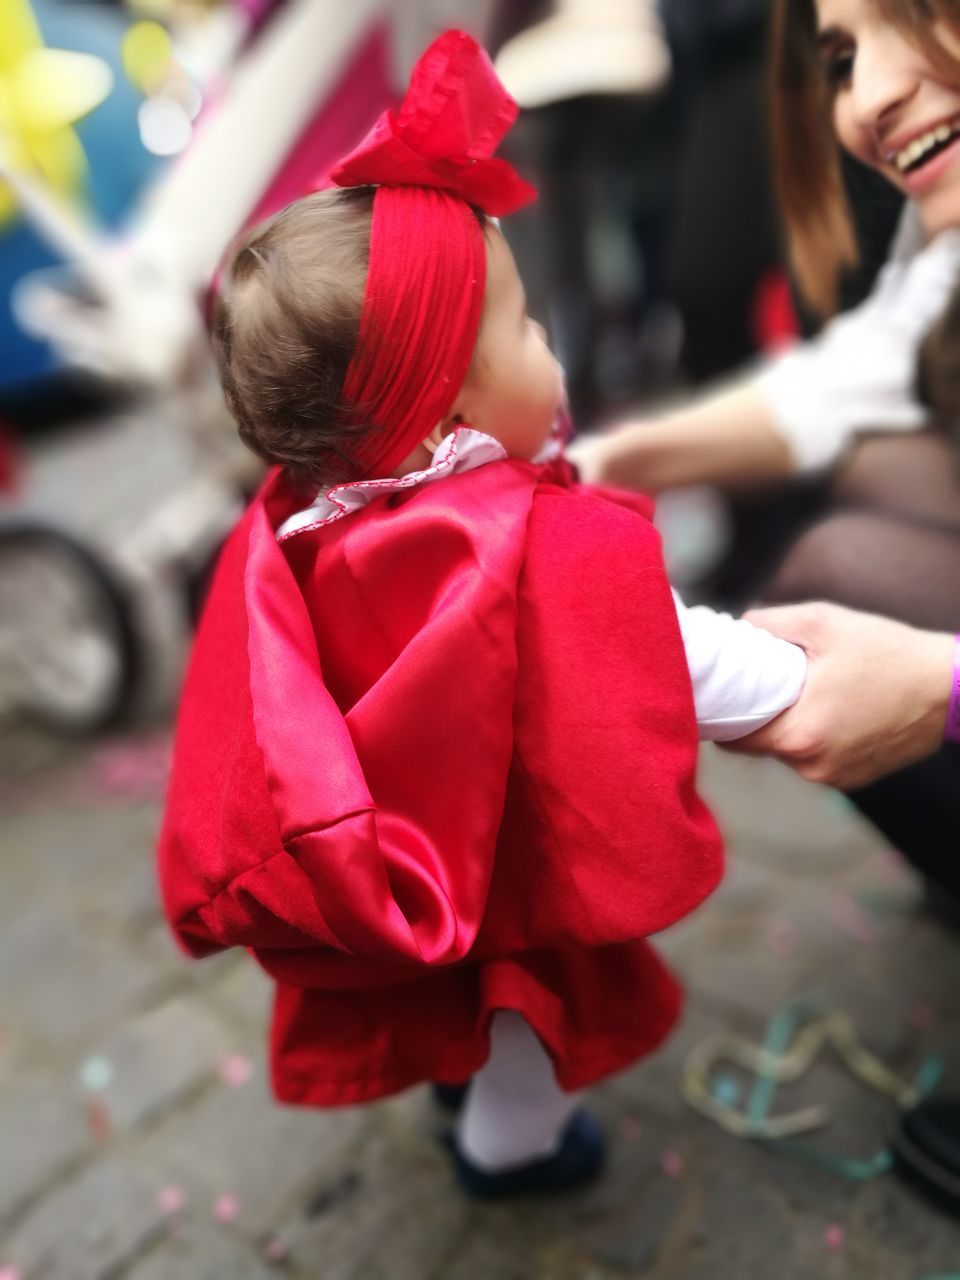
(449, 1097)
(580, 1158)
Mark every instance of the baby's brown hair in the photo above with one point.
(285, 325)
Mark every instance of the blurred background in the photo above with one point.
(136, 139)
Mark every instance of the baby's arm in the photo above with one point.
(742, 676)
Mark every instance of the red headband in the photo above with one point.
(432, 159)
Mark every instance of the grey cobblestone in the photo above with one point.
(88, 1226)
(159, 1057)
(43, 1129)
(89, 970)
(67, 984)
(238, 1142)
(243, 993)
(191, 1251)
(400, 1220)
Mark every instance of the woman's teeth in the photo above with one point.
(920, 149)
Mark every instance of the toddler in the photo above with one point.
(435, 761)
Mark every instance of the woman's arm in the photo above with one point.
(727, 438)
(875, 698)
(802, 409)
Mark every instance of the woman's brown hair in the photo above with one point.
(806, 155)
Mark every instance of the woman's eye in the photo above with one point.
(838, 68)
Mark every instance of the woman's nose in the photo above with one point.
(886, 75)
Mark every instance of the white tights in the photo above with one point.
(514, 1111)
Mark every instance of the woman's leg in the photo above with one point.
(918, 810)
(892, 541)
(915, 477)
(895, 550)
(877, 562)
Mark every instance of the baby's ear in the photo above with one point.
(442, 429)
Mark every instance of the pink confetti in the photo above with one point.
(892, 868)
(274, 1251)
(133, 769)
(226, 1208)
(834, 1237)
(98, 1117)
(921, 1017)
(10, 1273)
(784, 938)
(235, 1070)
(671, 1162)
(171, 1200)
(850, 918)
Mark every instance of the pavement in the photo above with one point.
(138, 1138)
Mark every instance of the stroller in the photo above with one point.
(108, 537)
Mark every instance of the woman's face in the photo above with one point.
(891, 108)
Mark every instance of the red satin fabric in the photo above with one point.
(438, 758)
(432, 159)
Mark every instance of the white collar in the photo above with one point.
(462, 450)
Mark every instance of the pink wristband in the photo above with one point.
(952, 732)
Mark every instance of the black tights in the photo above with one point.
(891, 545)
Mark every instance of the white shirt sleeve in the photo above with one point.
(859, 374)
(742, 676)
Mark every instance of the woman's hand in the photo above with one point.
(875, 698)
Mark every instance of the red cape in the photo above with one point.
(436, 758)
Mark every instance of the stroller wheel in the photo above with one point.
(69, 653)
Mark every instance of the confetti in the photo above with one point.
(137, 770)
(274, 1251)
(98, 1117)
(921, 1017)
(671, 1162)
(96, 1074)
(10, 1273)
(784, 938)
(834, 1237)
(235, 1070)
(850, 918)
(893, 869)
(226, 1208)
(171, 1200)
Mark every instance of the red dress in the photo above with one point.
(434, 759)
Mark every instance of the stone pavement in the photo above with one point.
(138, 1138)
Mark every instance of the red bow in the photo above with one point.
(444, 133)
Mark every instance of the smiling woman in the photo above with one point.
(881, 78)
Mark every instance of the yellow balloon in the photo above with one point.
(19, 33)
(52, 88)
(146, 54)
(43, 93)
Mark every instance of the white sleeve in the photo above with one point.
(859, 374)
(742, 676)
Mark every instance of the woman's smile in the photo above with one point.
(896, 107)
